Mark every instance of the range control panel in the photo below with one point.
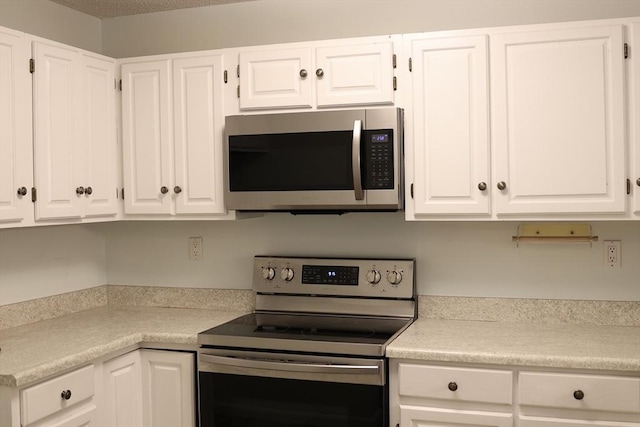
(360, 277)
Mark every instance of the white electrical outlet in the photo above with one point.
(195, 248)
(612, 253)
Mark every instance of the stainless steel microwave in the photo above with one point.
(338, 161)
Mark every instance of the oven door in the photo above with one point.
(258, 389)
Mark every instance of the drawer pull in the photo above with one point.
(452, 386)
(66, 394)
(578, 395)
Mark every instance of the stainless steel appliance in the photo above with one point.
(348, 160)
(313, 352)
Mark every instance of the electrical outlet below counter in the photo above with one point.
(612, 254)
(195, 248)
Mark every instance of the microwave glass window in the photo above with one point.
(291, 162)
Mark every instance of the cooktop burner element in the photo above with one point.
(323, 305)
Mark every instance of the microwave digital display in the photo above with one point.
(380, 137)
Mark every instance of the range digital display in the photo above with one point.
(329, 275)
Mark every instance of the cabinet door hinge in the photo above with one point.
(120, 85)
(34, 194)
(628, 186)
(394, 61)
(410, 65)
(32, 65)
(238, 70)
(626, 51)
(123, 194)
(395, 83)
(412, 190)
(238, 91)
(225, 77)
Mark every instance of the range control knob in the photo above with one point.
(286, 274)
(394, 277)
(373, 277)
(268, 273)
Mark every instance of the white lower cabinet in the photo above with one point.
(426, 395)
(563, 399)
(64, 401)
(150, 388)
(423, 394)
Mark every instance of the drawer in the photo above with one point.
(459, 384)
(44, 399)
(584, 392)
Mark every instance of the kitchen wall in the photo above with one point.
(462, 258)
(52, 21)
(455, 259)
(278, 21)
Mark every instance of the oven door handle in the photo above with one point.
(284, 365)
(356, 161)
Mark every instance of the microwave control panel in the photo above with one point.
(379, 159)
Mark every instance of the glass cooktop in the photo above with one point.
(306, 333)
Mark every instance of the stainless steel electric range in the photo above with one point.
(313, 352)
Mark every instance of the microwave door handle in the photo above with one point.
(355, 160)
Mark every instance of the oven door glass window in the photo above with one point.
(228, 400)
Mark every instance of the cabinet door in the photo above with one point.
(419, 416)
(123, 391)
(99, 137)
(634, 117)
(450, 125)
(168, 379)
(352, 75)
(16, 147)
(83, 417)
(276, 79)
(198, 111)
(558, 121)
(147, 161)
(57, 110)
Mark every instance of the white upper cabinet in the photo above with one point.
(74, 134)
(146, 137)
(634, 117)
(57, 133)
(348, 75)
(172, 118)
(558, 121)
(450, 126)
(99, 137)
(276, 79)
(316, 76)
(198, 91)
(16, 148)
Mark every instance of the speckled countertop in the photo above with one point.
(37, 350)
(521, 344)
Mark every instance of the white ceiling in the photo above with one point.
(114, 8)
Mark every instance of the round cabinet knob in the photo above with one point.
(482, 186)
(502, 185)
(268, 273)
(22, 191)
(177, 189)
(578, 395)
(303, 73)
(394, 277)
(88, 190)
(286, 274)
(373, 277)
(452, 386)
(638, 182)
(66, 394)
(319, 72)
(164, 190)
(80, 190)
